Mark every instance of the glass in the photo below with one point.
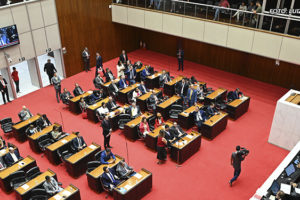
(294, 28)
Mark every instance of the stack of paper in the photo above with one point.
(64, 141)
(138, 176)
(57, 197)
(285, 188)
(25, 186)
(66, 193)
(189, 136)
(93, 146)
(127, 187)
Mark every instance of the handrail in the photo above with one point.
(17, 4)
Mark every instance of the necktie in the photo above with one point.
(191, 94)
(111, 177)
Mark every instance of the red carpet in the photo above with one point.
(206, 174)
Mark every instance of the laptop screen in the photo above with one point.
(290, 169)
(275, 187)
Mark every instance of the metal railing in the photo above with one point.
(279, 23)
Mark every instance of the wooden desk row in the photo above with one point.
(130, 128)
(20, 128)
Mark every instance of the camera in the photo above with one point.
(244, 151)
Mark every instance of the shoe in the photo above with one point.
(230, 183)
(109, 146)
(9, 101)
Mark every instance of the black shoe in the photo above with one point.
(9, 101)
(109, 146)
(230, 183)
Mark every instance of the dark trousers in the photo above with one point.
(96, 73)
(106, 141)
(198, 124)
(58, 93)
(180, 64)
(5, 92)
(86, 63)
(50, 77)
(235, 175)
(17, 86)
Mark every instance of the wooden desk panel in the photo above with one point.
(77, 99)
(218, 93)
(122, 95)
(20, 128)
(185, 119)
(91, 110)
(165, 107)
(26, 122)
(214, 125)
(153, 80)
(175, 80)
(169, 88)
(135, 187)
(74, 102)
(70, 192)
(130, 129)
(142, 100)
(114, 116)
(151, 138)
(238, 107)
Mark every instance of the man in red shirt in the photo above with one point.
(15, 77)
(223, 3)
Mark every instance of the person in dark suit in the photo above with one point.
(180, 57)
(56, 81)
(109, 76)
(101, 94)
(99, 64)
(145, 73)
(77, 90)
(109, 178)
(199, 117)
(98, 81)
(43, 122)
(143, 88)
(176, 130)
(106, 128)
(111, 104)
(49, 69)
(135, 111)
(164, 78)
(123, 57)
(182, 88)
(107, 155)
(4, 90)
(113, 88)
(122, 83)
(191, 96)
(2, 164)
(237, 94)
(169, 136)
(12, 157)
(131, 75)
(78, 142)
(66, 96)
(86, 59)
(212, 110)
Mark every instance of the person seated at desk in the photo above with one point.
(83, 105)
(102, 94)
(43, 122)
(212, 110)
(109, 178)
(120, 69)
(169, 136)
(107, 155)
(135, 111)
(143, 88)
(78, 142)
(182, 88)
(2, 143)
(191, 96)
(56, 134)
(144, 127)
(281, 196)
(111, 104)
(200, 91)
(25, 114)
(124, 170)
(153, 101)
(103, 110)
(122, 83)
(31, 130)
(51, 186)
(66, 96)
(2, 164)
(138, 65)
(131, 75)
(136, 94)
(164, 78)
(237, 94)
(177, 130)
(113, 88)
(199, 117)
(159, 120)
(77, 90)
(95, 96)
(161, 147)
(146, 72)
(98, 81)
(109, 75)
(12, 157)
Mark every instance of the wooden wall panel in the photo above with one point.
(89, 23)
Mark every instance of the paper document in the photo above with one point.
(64, 141)
(272, 197)
(3, 151)
(127, 187)
(189, 136)
(286, 188)
(93, 146)
(137, 175)
(57, 197)
(297, 190)
(25, 187)
(66, 193)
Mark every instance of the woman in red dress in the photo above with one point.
(161, 147)
(144, 127)
(159, 120)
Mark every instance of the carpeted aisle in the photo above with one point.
(206, 174)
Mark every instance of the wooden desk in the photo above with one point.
(142, 100)
(153, 80)
(151, 138)
(218, 93)
(169, 88)
(186, 119)
(114, 116)
(69, 193)
(51, 150)
(24, 165)
(24, 192)
(214, 125)
(238, 107)
(93, 177)
(136, 187)
(186, 147)
(122, 95)
(77, 164)
(91, 110)
(107, 84)
(34, 139)
(130, 128)
(20, 128)
(294, 98)
(165, 107)
(74, 102)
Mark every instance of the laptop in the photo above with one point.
(290, 170)
(275, 187)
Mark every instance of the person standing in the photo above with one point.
(106, 131)
(123, 57)
(4, 90)
(15, 77)
(56, 81)
(49, 69)
(99, 64)
(236, 160)
(161, 147)
(86, 59)
(180, 57)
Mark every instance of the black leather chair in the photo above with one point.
(32, 173)
(45, 141)
(151, 122)
(105, 188)
(39, 194)
(64, 154)
(129, 97)
(6, 125)
(98, 155)
(175, 110)
(123, 119)
(18, 178)
(92, 165)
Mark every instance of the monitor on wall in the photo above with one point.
(9, 36)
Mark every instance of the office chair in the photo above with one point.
(175, 111)
(105, 188)
(98, 155)
(151, 122)
(44, 141)
(123, 119)
(92, 165)
(39, 194)
(32, 173)
(18, 178)
(6, 126)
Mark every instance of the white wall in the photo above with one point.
(248, 40)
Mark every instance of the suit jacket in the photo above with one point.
(106, 180)
(192, 98)
(185, 88)
(169, 135)
(113, 89)
(122, 84)
(22, 114)
(211, 111)
(164, 78)
(2, 163)
(138, 111)
(99, 62)
(98, 81)
(174, 131)
(51, 187)
(104, 158)
(2, 86)
(78, 91)
(9, 160)
(144, 74)
(65, 96)
(122, 170)
(56, 81)
(143, 89)
(49, 68)
(181, 56)
(201, 113)
(107, 76)
(235, 95)
(106, 127)
(122, 59)
(110, 106)
(131, 74)
(85, 55)
(76, 143)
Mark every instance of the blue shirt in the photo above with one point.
(104, 158)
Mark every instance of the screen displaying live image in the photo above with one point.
(9, 36)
